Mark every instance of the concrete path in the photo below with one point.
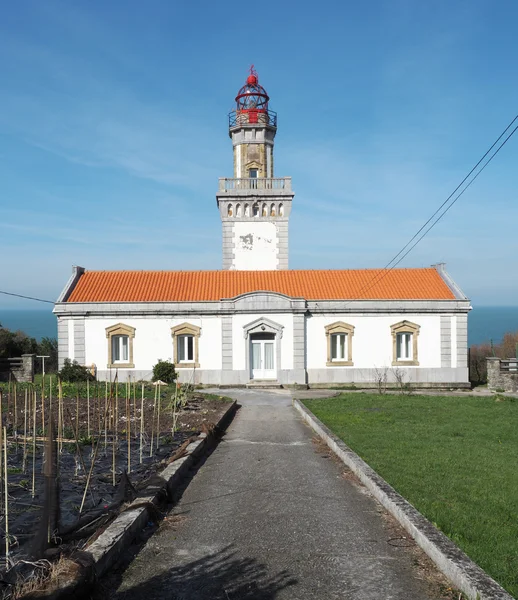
(271, 515)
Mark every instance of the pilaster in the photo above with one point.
(226, 341)
(445, 341)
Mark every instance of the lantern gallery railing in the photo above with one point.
(252, 116)
(255, 183)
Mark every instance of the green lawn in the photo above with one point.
(454, 458)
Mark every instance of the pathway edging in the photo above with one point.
(107, 548)
(449, 558)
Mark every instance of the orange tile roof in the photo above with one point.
(207, 286)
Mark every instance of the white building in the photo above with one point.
(256, 321)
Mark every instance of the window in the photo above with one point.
(272, 210)
(265, 211)
(281, 210)
(404, 343)
(339, 344)
(185, 348)
(253, 174)
(403, 346)
(185, 345)
(238, 210)
(229, 210)
(255, 210)
(120, 346)
(247, 210)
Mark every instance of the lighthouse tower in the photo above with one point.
(254, 205)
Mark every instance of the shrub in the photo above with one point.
(73, 371)
(164, 371)
(478, 354)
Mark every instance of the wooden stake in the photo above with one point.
(141, 422)
(34, 447)
(79, 453)
(1, 458)
(6, 502)
(24, 462)
(115, 437)
(135, 401)
(98, 398)
(105, 412)
(9, 396)
(128, 428)
(113, 451)
(175, 411)
(116, 418)
(94, 456)
(77, 413)
(15, 426)
(88, 408)
(158, 417)
(153, 423)
(43, 404)
(60, 413)
(50, 403)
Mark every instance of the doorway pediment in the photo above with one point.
(263, 325)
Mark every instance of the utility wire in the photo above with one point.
(399, 256)
(395, 261)
(27, 297)
(458, 196)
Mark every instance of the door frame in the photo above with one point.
(272, 373)
(263, 325)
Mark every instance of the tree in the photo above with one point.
(478, 354)
(49, 347)
(507, 347)
(16, 343)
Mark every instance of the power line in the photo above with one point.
(399, 256)
(395, 261)
(27, 297)
(457, 188)
(458, 196)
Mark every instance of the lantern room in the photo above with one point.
(252, 104)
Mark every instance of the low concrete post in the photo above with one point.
(498, 380)
(493, 372)
(28, 368)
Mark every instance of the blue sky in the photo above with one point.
(113, 132)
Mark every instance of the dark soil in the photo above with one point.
(200, 412)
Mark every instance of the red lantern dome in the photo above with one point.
(252, 96)
(252, 104)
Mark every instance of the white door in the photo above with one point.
(262, 355)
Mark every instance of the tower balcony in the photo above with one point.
(253, 117)
(248, 185)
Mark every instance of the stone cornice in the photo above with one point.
(261, 302)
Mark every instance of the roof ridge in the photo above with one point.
(273, 272)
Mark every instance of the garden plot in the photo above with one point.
(107, 443)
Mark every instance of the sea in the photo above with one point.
(485, 323)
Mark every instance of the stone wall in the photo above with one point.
(18, 369)
(498, 380)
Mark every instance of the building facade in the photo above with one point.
(256, 321)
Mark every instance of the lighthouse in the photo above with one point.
(254, 205)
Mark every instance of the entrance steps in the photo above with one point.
(263, 384)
